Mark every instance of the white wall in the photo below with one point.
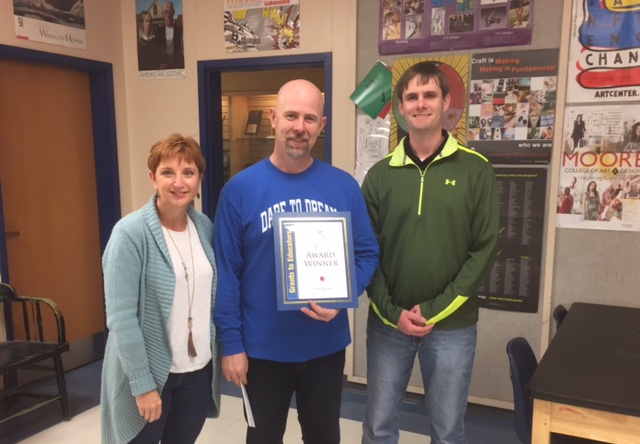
(158, 107)
(147, 110)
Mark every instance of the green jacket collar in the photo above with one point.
(399, 158)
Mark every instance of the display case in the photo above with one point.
(248, 136)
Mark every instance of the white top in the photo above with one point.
(201, 309)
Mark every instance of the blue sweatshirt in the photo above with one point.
(246, 312)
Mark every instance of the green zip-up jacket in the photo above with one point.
(438, 234)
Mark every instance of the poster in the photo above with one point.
(261, 25)
(599, 185)
(514, 281)
(456, 68)
(58, 22)
(160, 34)
(604, 64)
(416, 26)
(512, 103)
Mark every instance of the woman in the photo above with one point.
(579, 130)
(605, 203)
(565, 204)
(634, 139)
(161, 367)
(591, 205)
(148, 48)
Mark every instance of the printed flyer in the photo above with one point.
(599, 185)
(261, 25)
(512, 105)
(514, 281)
(416, 26)
(56, 22)
(372, 142)
(604, 58)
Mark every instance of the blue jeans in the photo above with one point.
(186, 400)
(446, 361)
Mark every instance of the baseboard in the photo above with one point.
(84, 351)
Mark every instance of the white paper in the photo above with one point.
(320, 260)
(247, 407)
(372, 142)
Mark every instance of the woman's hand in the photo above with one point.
(149, 405)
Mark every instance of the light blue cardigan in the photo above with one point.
(139, 284)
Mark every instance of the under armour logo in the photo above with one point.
(450, 182)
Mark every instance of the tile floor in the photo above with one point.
(229, 428)
(484, 425)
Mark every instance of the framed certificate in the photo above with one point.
(314, 260)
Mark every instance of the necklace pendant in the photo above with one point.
(191, 349)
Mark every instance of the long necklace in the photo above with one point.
(191, 289)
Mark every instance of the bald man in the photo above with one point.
(279, 353)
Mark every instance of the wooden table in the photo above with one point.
(588, 382)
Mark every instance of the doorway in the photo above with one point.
(60, 185)
(247, 98)
(210, 94)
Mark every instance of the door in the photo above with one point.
(49, 187)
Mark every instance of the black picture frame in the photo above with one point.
(253, 123)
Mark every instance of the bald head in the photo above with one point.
(301, 90)
(297, 120)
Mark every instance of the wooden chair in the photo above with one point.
(27, 348)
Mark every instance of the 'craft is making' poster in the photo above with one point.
(512, 105)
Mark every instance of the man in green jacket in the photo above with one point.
(434, 207)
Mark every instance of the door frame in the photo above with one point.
(4, 269)
(103, 118)
(210, 110)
